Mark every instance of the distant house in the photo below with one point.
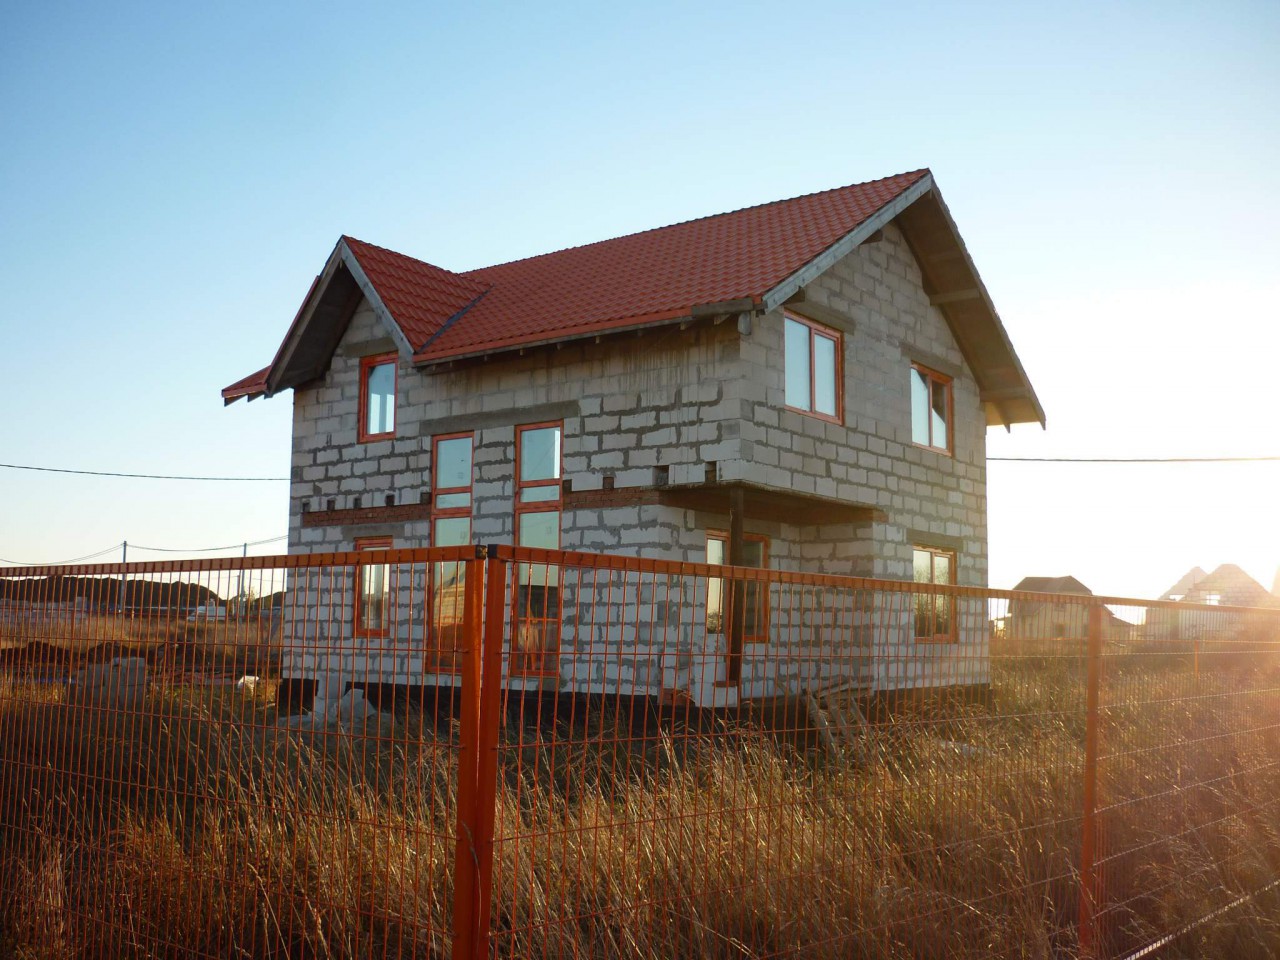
(803, 385)
(1039, 619)
(1227, 586)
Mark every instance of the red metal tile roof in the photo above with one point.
(251, 386)
(658, 274)
(628, 281)
(421, 297)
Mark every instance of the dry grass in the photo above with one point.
(195, 827)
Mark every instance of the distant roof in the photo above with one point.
(1053, 585)
(1228, 584)
(746, 260)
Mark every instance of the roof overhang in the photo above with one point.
(318, 327)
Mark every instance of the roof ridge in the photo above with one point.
(348, 239)
(922, 171)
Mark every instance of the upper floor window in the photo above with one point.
(373, 588)
(930, 409)
(378, 397)
(935, 618)
(812, 361)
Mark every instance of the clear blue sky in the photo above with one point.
(173, 176)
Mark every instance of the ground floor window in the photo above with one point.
(935, 615)
(538, 504)
(373, 586)
(755, 550)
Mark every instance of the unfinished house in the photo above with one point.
(1042, 619)
(800, 386)
(1226, 586)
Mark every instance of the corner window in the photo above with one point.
(935, 619)
(812, 363)
(537, 508)
(755, 551)
(930, 409)
(373, 588)
(378, 397)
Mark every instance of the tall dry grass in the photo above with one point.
(195, 826)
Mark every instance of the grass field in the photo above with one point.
(196, 827)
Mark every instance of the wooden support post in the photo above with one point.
(1090, 893)
(737, 588)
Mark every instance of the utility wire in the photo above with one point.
(230, 546)
(55, 563)
(1132, 459)
(114, 547)
(140, 476)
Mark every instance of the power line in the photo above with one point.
(138, 476)
(1132, 459)
(230, 546)
(57, 563)
(116, 546)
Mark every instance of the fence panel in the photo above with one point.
(164, 792)
(422, 753)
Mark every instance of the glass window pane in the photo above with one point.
(922, 566)
(715, 551)
(824, 375)
(941, 568)
(373, 596)
(539, 494)
(453, 463)
(796, 357)
(380, 399)
(540, 454)
(940, 415)
(540, 530)
(451, 501)
(919, 408)
(452, 532)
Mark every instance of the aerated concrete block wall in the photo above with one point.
(675, 399)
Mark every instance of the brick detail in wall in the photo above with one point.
(626, 497)
(401, 513)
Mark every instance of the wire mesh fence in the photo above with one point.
(515, 752)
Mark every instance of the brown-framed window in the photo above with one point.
(935, 619)
(930, 409)
(373, 591)
(451, 463)
(452, 458)
(756, 554)
(813, 366)
(377, 397)
(537, 513)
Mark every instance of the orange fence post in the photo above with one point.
(487, 747)
(1089, 886)
(465, 876)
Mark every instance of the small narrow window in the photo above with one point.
(451, 479)
(930, 409)
(377, 397)
(935, 613)
(812, 368)
(537, 509)
(755, 554)
(373, 591)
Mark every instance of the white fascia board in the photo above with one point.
(846, 244)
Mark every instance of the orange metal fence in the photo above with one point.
(513, 752)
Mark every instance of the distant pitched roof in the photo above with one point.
(730, 262)
(1069, 585)
(1185, 584)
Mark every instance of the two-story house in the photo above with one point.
(803, 385)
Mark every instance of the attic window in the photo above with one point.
(930, 409)
(812, 362)
(377, 397)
